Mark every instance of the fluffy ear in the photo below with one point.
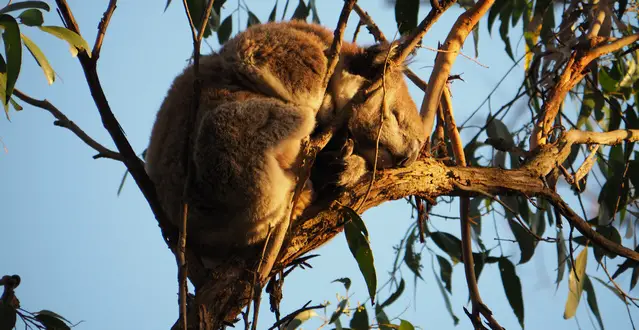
(367, 62)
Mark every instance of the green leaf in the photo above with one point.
(15, 105)
(494, 11)
(512, 287)
(252, 19)
(393, 297)
(52, 320)
(73, 39)
(301, 12)
(592, 300)
(561, 257)
(25, 5)
(527, 243)
(344, 280)
(449, 306)
(3, 84)
(411, 258)
(357, 239)
(42, 61)
(315, 16)
(13, 50)
(405, 325)
(31, 17)
(576, 287)
(445, 272)
(224, 32)
(504, 16)
(449, 244)
(271, 17)
(406, 14)
(608, 83)
(300, 318)
(360, 319)
(382, 320)
(610, 233)
(338, 312)
(497, 130)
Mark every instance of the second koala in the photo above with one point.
(261, 95)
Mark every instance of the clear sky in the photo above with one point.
(90, 255)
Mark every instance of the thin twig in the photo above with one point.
(102, 27)
(64, 121)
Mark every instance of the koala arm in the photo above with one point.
(243, 153)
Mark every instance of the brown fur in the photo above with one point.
(260, 97)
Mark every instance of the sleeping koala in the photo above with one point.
(261, 95)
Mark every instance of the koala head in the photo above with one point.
(402, 134)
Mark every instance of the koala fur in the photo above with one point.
(261, 95)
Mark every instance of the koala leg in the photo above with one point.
(304, 200)
(243, 153)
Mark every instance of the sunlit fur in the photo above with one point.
(261, 94)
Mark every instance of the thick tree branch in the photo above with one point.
(111, 124)
(445, 59)
(64, 121)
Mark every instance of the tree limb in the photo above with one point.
(64, 121)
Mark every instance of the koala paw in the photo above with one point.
(354, 170)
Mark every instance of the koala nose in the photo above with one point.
(411, 155)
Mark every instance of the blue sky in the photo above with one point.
(90, 255)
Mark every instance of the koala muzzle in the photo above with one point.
(412, 152)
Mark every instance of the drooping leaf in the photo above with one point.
(395, 295)
(300, 318)
(561, 257)
(445, 272)
(512, 287)
(357, 239)
(13, 51)
(592, 300)
(224, 32)
(52, 320)
(73, 39)
(31, 17)
(338, 311)
(15, 104)
(411, 258)
(25, 5)
(405, 325)
(314, 15)
(449, 306)
(42, 61)
(301, 12)
(575, 287)
(252, 19)
(271, 16)
(360, 319)
(344, 280)
(382, 320)
(497, 130)
(527, 243)
(611, 233)
(406, 14)
(3, 87)
(449, 244)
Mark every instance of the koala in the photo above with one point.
(262, 93)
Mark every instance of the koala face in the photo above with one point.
(402, 133)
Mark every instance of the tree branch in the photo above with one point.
(111, 124)
(102, 27)
(64, 121)
(445, 59)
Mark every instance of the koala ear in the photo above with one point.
(367, 62)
